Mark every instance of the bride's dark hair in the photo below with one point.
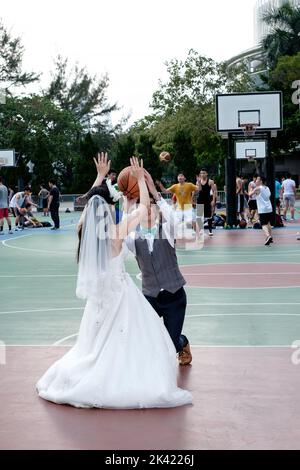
(102, 191)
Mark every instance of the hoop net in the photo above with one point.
(249, 129)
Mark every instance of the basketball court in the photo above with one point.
(243, 322)
(243, 317)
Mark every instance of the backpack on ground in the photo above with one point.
(278, 221)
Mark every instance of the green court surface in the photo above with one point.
(258, 305)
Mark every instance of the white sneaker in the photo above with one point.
(1, 233)
(10, 232)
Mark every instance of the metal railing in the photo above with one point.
(68, 201)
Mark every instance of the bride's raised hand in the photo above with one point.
(137, 168)
(102, 164)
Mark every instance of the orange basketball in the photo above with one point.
(128, 184)
(165, 157)
(23, 211)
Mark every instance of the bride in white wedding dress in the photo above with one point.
(124, 356)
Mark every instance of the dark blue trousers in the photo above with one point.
(171, 307)
(54, 211)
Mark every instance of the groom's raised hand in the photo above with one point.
(151, 186)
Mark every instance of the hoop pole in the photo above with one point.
(270, 175)
(231, 208)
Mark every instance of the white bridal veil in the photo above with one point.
(95, 248)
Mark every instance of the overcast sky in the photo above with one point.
(128, 39)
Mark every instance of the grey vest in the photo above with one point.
(160, 268)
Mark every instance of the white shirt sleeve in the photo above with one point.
(171, 222)
(167, 212)
(130, 242)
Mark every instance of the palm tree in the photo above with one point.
(284, 36)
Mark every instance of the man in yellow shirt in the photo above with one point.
(184, 195)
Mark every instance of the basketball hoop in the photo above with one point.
(249, 129)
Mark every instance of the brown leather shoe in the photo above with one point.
(185, 356)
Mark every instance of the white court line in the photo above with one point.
(188, 305)
(4, 243)
(188, 286)
(238, 274)
(266, 314)
(139, 276)
(238, 262)
(229, 254)
(44, 275)
(217, 254)
(203, 346)
(35, 250)
(21, 236)
(40, 275)
(243, 303)
(42, 310)
(57, 343)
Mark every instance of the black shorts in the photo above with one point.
(240, 203)
(45, 203)
(266, 218)
(252, 204)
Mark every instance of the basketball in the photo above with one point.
(243, 223)
(23, 211)
(128, 184)
(165, 157)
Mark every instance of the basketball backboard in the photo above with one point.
(261, 109)
(250, 149)
(7, 157)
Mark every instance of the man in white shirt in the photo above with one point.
(18, 202)
(289, 196)
(264, 207)
(252, 199)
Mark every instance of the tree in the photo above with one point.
(286, 72)
(83, 95)
(146, 151)
(41, 133)
(195, 81)
(283, 39)
(183, 118)
(84, 167)
(122, 149)
(11, 55)
(184, 155)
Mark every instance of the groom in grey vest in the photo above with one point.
(153, 244)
